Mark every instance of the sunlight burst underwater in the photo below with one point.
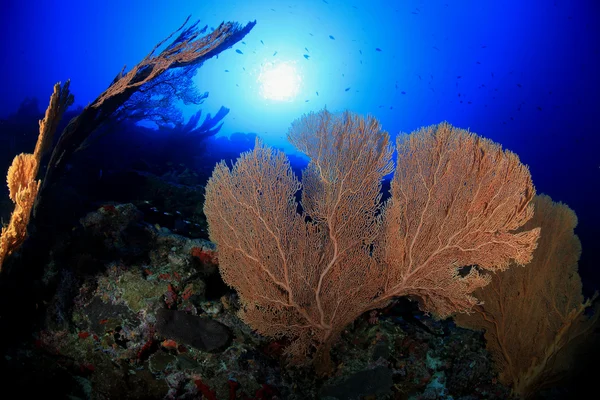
(279, 81)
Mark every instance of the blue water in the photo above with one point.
(522, 73)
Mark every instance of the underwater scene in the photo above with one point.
(300, 199)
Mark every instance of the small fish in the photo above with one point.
(243, 42)
(325, 2)
(272, 9)
(226, 70)
(403, 92)
(420, 77)
(459, 76)
(331, 37)
(360, 51)
(317, 93)
(262, 42)
(274, 54)
(519, 85)
(306, 56)
(539, 108)
(238, 51)
(345, 90)
(306, 50)
(478, 63)
(435, 48)
(306, 101)
(377, 49)
(244, 68)
(310, 34)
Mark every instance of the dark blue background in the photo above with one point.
(523, 73)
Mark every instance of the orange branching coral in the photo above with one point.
(456, 201)
(187, 51)
(60, 100)
(533, 316)
(302, 279)
(189, 48)
(22, 184)
(23, 170)
(23, 191)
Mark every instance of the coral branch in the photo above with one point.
(22, 184)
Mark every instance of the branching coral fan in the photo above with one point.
(456, 200)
